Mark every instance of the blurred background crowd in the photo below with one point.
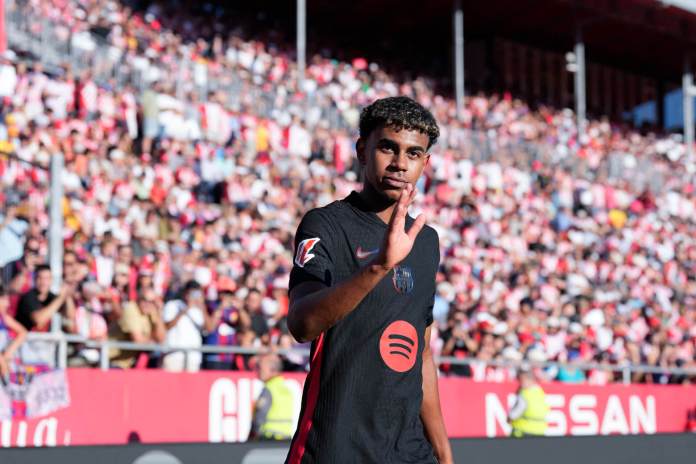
(184, 187)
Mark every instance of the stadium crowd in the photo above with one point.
(183, 189)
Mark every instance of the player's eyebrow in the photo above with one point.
(389, 143)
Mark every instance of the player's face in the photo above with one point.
(391, 159)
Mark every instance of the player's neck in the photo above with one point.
(377, 203)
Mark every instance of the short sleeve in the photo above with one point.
(170, 310)
(27, 305)
(429, 313)
(313, 258)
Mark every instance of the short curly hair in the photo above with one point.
(398, 113)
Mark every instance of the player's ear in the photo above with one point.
(360, 151)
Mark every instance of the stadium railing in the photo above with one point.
(61, 342)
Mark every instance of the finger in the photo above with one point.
(416, 227)
(412, 196)
(399, 224)
(398, 207)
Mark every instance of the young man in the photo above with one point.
(362, 290)
(37, 306)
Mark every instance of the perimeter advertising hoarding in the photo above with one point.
(114, 407)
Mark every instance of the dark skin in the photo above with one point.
(392, 161)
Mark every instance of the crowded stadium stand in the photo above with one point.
(190, 146)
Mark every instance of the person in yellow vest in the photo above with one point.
(528, 414)
(274, 410)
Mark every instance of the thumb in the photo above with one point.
(416, 227)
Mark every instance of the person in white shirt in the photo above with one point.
(8, 75)
(184, 320)
(299, 140)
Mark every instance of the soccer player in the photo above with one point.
(362, 289)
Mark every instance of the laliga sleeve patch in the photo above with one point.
(304, 248)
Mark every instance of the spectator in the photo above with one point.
(37, 306)
(8, 74)
(142, 323)
(259, 323)
(185, 321)
(458, 344)
(88, 319)
(273, 410)
(538, 260)
(570, 373)
(223, 325)
(12, 335)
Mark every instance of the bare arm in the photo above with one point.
(43, 316)
(314, 307)
(159, 331)
(212, 320)
(431, 414)
(20, 335)
(17, 281)
(69, 322)
(244, 319)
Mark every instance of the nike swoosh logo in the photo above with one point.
(362, 254)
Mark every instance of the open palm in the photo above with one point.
(397, 240)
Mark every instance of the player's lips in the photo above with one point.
(394, 182)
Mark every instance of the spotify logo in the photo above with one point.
(398, 346)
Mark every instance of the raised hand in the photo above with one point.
(397, 241)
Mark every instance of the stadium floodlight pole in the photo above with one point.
(55, 238)
(459, 57)
(580, 107)
(688, 101)
(301, 41)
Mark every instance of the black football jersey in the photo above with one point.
(362, 397)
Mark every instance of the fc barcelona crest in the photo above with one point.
(403, 279)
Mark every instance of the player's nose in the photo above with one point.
(400, 161)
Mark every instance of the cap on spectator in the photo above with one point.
(203, 276)
(225, 284)
(500, 328)
(594, 318)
